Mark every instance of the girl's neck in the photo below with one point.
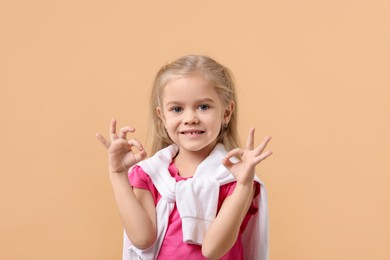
(186, 162)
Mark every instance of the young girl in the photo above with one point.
(192, 199)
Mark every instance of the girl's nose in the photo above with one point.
(190, 117)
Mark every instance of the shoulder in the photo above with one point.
(138, 177)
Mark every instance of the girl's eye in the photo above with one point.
(176, 109)
(203, 107)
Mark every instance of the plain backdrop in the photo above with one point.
(314, 74)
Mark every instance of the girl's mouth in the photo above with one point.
(192, 132)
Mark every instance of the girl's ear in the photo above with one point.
(229, 109)
(161, 115)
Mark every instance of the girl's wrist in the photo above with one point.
(246, 183)
(122, 175)
(246, 188)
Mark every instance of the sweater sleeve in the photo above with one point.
(196, 203)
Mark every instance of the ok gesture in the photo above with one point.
(244, 169)
(120, 154)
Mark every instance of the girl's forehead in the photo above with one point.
(193, 76)
(188, 87)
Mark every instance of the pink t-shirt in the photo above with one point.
(173, 246)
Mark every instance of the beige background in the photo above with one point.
(313, 74)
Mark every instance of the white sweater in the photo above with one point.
(197, 204)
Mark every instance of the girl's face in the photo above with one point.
(193, 114)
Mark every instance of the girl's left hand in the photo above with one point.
(244, 169)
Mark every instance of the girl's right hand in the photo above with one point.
(120, 154)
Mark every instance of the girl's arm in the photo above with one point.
(223, 231)
(136, 207)
(137, 211)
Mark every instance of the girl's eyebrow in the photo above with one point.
(206, 100)
(202, 100)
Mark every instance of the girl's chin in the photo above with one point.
(197, 148)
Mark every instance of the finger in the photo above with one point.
(263, 144)
(227, 163)
(231, 158)
(237, 152)
(261, 157)
(250, 140)
(125, 130)
(103, 140)
(135, 143)
(113, 134)
(140, 156)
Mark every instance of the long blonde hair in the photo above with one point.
(216, 75)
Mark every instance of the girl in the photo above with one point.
(192, 199)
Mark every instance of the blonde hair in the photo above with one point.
(215, 74)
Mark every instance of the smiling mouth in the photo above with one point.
(192, 132)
